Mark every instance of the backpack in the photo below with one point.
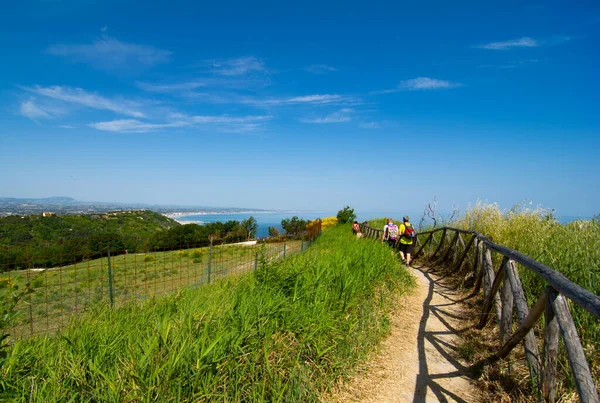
(392, 230)
(409, 232)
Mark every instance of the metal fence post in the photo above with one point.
(210, 253)
(256, 261)
(302, 247)
(284, 247)
(110, 279)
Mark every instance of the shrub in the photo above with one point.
(328, 222)
(346, 215)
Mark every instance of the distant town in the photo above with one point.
(69, 206)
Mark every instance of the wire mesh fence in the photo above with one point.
(61, 293)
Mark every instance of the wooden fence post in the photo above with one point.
(531, 347)
(579, 366)
(450, 245)
(507, 306)
(440, 244)
(492, 298)
(462, 258)
(479, 269)
(550, 349)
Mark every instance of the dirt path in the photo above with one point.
(417, 363)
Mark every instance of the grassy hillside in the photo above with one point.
(57, 295)
(285, 332)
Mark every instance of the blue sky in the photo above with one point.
(306, 105)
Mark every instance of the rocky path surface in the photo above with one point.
(417, 362)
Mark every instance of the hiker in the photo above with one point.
(390, 233)
(407, 237)
(356, 229)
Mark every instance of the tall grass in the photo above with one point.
(572, 249)
(282, 333)
(62, 292)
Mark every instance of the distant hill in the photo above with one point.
(67, 205)
(54, 239)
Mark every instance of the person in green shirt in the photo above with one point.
(406, 240)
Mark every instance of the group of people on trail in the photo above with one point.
(402, 236)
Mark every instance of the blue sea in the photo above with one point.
(273, 219)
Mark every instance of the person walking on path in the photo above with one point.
(407, 236)
(390, 233)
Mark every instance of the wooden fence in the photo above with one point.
(460, 249)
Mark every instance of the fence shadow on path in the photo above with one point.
(433, 345)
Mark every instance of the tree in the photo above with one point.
(293, 226)
(273, 232)
(346, 215)
(251, 227)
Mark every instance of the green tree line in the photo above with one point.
(36, 241)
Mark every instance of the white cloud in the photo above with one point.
(110, 53)
(370, 125)
(237, 67)
(320, 69)
(525, 42)
(30, 110)
(90, 100)
(223, 123)
(133, 126)
(418, 84)
(343, 115)
(228, 119)
(317, 99)
(67, 127)
(174, 87)
(426, 83)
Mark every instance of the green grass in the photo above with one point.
(572, 249)
(285, 332)
(62, 292)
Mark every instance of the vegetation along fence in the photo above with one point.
(60, 293)
(461, 250)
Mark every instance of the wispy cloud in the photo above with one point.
(320, 69)
(30, 110)
(426, 83)
(237, 67)
(370, 125)
(343, 115)
(67, 127)
(525, 42)
(173, 87)
(223, 123)
(36, 109)
(133, 126)
(112, 54)
(90, 100)
(316, 99)
(420, 84)
(510, 65)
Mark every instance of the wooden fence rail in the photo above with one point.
(503, 293)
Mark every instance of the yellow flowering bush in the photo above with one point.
(328, 222)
